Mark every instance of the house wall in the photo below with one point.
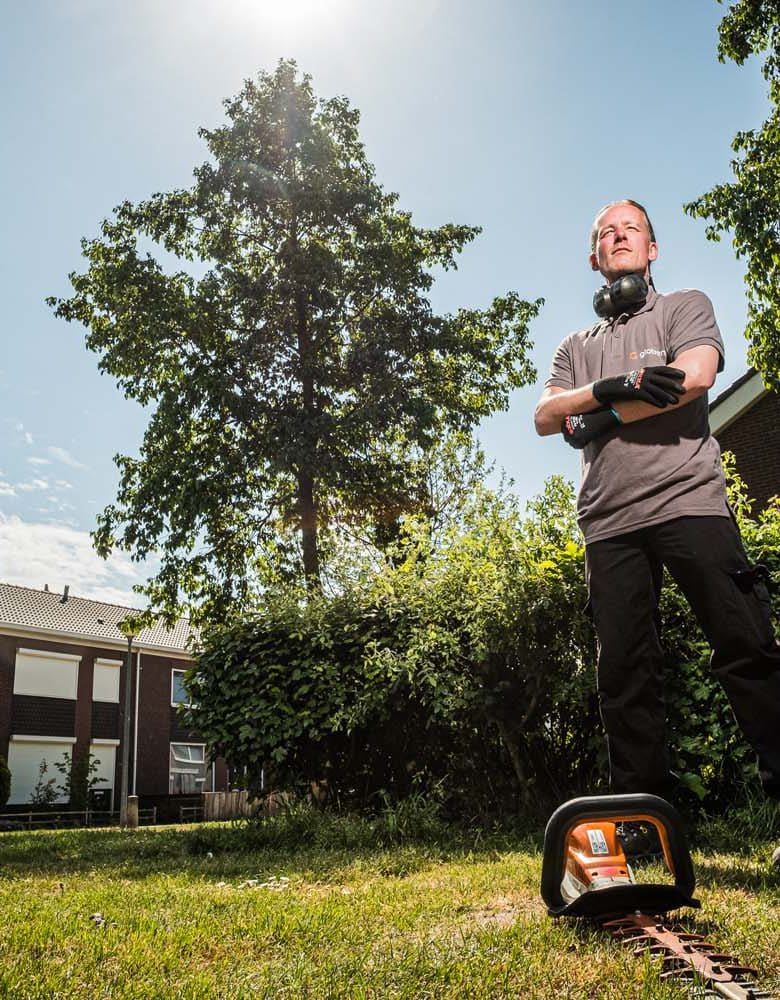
(85, 722)
(154, 730)
(50, 717)
(83, 706)
(7, 660)
(754, 438)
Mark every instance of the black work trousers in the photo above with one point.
(706, 557)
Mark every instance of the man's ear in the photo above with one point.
(594, 264)
(652, 251)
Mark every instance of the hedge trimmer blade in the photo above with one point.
(687, 956)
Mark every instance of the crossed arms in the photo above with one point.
(700, 365)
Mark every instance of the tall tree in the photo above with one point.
(295, 367)
(749, 206)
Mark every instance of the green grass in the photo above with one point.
(321, 907)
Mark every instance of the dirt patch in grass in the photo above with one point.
(504, 911)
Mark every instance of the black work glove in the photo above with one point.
(658, 384)
(580, 429)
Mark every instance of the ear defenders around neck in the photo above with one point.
(611, 300)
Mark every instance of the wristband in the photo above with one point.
(615, 414)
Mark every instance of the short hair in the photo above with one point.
(594, 229)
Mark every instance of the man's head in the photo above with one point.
(622, 241)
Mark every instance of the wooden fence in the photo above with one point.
(227, 805)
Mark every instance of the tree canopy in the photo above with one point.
(296, 372)
(749, 206)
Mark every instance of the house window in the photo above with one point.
(44, 674)
(105, 680)
(190, 773)
(25, 757)
(104, 755)
(179, 694)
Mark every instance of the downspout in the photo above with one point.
(135, 730)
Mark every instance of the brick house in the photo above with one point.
(62, 690)
(745, 419)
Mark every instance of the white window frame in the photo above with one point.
(189, 746)
(177, 704)
(28, 738)
(175, 766)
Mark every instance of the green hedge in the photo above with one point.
(465, 669)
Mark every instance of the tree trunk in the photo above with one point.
(306, 503)
(513, 749)
(308, 511)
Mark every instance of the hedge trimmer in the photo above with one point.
(586, 872)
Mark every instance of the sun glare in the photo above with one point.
(287, 14)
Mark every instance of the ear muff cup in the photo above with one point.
(611, 300)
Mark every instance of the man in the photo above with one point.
(631, 392)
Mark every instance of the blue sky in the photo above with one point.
(521, 117)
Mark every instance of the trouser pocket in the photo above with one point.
(755, 578)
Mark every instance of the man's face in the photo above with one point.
(623, 244)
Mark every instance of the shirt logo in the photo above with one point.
(654, 351)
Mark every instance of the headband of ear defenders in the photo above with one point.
(611, 300)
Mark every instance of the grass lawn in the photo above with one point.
(322, 912)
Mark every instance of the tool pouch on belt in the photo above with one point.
(752, 578)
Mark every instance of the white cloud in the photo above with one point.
(64, 506)
(35, 484)
(28, 438)
(6, 490)
(32, 555)
(64, 456)
(34, 460)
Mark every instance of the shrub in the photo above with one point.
(44, 793)
(465, 665)
(79, 778)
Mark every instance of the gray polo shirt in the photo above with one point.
(656, 469)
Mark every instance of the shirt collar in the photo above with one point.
(647, 306)
(649, 303)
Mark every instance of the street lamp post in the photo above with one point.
(126, 730)
(130, 628)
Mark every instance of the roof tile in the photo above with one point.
(23, 607)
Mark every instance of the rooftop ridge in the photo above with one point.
(77, 597)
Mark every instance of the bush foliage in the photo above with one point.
(463, 670)
(709, 749)
(457, 669)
